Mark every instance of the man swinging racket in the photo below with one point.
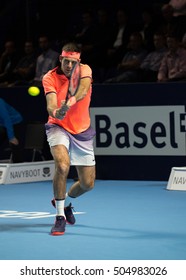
(68, 90)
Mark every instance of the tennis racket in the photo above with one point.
(73, 86)
(74, 80)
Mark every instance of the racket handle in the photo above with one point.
(64, 109)
(60, 113)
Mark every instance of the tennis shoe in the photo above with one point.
(68, 212)
(59, 226)
(53, 202)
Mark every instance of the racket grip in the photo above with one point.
(64, 109)
(60, 113)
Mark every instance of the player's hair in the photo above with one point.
(71, 47)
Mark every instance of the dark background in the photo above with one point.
(26, 19)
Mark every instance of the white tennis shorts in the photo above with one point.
(80, 152)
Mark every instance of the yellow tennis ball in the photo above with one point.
(34, 91)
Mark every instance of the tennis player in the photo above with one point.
(70, 135)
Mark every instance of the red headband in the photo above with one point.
(75, 55)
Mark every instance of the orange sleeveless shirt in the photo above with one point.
(77, 118)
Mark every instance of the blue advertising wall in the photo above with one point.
(140, 127)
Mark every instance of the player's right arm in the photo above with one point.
(53, 108)
(51, 100)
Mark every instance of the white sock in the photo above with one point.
(60, 207)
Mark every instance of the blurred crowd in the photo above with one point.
(119, 48)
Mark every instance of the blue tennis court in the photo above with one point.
(118, 220)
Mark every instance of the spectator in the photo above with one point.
(47, 60)
(173, 65)
(127, 70)
(149, 27)
(119, 39)
(101, 43)
(179, 7)
(184, 41)
(172, 23)
(8, 60)
(168, 20)
(85, 36)
(11, 129)
(150, 65)
(24, 71)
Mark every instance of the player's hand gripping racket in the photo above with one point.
(72, 90)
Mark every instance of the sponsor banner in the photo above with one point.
(3, 173)
(26, 172)
(143, 130)
(177, 179)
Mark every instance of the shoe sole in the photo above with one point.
(70, 223)
(56, 233)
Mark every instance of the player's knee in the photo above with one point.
(62, 169)
(88, 185)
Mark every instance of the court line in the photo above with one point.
(29, 215)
